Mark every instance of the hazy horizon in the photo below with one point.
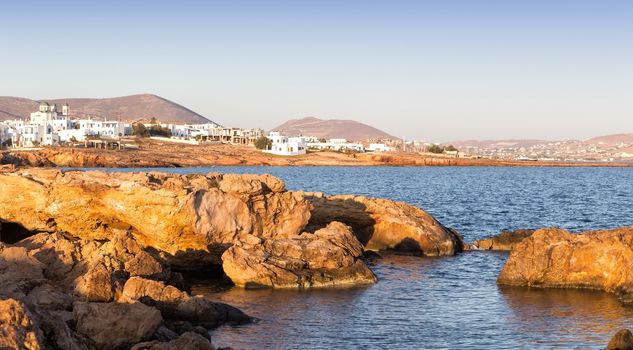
(439, 71)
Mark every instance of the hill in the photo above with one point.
(332, 128)
(612, 139)
(130, 108)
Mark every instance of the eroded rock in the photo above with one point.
(331, 256)
(558, 259)
(175, 214)
(114, 324)
(18, 328)
(382, 224)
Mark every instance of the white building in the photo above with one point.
(211, 132)
(286, 146)
(339, 145)
(49, 126)
(380, 147)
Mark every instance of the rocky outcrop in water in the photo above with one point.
(382, 224)
(558, 259)
(504, 241)
(192, 219)
(332, 256)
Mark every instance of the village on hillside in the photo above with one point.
(51, 126)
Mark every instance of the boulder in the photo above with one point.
(504, 241)
(382, 224)
(18, 328)
(556, 258)
(175, 214)
(189, 340)
(114, 324)
(622, 340)
(95, 271)
(178, 305)
(19, 272)
(331, 256)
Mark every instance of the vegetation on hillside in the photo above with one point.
(440, 149)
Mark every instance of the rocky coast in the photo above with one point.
(94, 260)
(98, 260)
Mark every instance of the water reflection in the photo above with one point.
(572, 315)
(424, 303)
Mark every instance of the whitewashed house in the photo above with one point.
(48, 126)
(380, 147)
(286, 146)
(339, 145)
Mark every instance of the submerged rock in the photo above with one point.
(382, 224)
(559, 259)
(622, 340)
(329, 257)
(504, 241)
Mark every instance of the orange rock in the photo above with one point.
(332, 256)
(18, 329)
(558, 259)
(176, 214)
(382, 224)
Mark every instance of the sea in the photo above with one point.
(448, 302)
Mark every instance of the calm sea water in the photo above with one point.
(453, 302)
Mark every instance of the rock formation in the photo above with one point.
(331, 256)
(82, 294)
(622, 340)
(187, 217)
(504, 241)
(558, 259)
(382, 224)
(114, 324)
(18, 329)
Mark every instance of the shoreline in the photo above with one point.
(156, 154)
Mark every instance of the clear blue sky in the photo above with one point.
(436, 70)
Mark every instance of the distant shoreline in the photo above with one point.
(155, 154)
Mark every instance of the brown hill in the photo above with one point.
(333, 128)
(612, 139)
(134, 107)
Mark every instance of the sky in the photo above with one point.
(434, 70)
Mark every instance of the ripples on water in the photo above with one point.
(449, 302)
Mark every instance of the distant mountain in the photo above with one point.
(131, 108)
(612, 139)
(332, 128)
